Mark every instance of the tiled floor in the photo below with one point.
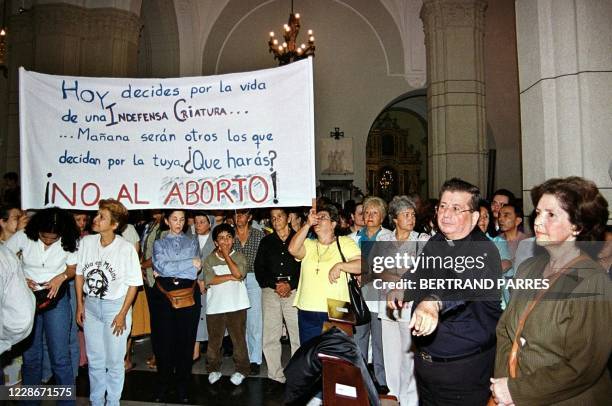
(140, 384)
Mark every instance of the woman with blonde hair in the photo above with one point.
(374, 213)
(107, 279)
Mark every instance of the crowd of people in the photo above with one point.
(189, 278)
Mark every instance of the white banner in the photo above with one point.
(215, 142)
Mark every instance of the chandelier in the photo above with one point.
(3, 46)
(386, 180)
(288, 51)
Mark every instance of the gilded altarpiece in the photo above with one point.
(396, 160)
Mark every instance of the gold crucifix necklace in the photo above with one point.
(319, 255)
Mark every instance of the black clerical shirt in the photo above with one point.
(466, 323)
(274, 263)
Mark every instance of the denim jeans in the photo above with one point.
(105, 351)
(254, 326)
(75, 353)
(47, 373)
(54, 326)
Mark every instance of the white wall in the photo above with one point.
(358, 67)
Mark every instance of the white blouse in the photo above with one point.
(40, 264)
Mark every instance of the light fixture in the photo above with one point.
(386, 180)
(289, 51)
(3, 50)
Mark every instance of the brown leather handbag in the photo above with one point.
(513, 358)
(179, 298)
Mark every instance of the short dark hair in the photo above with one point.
(459, 185)
(168, 213)
(223, 227)
(199, 213)
(5, 211)
(331, 209)
(485, 203)
(504, 192)
(583, 202)
(535, 195)
(57, 221)
(518, 210)
(283, 209)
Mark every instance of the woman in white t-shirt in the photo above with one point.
(107, 279)
(48, 245)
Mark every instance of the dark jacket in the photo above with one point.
(468, 316)
(304, 370)
(566, 340)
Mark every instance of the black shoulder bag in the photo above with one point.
(358, 304)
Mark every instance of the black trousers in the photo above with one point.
(174, 335)
(459, 383)
(151, 303)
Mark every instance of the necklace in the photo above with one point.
(319, 255)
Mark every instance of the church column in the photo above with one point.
(20, 44)
(565, 82)
(454, 41)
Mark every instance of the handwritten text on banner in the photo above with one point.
(215, 142)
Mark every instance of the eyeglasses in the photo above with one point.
(324, 218)
(454, 210)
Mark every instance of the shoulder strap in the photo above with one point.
(346, 274)
(513, 358)
(161, 288)
(340, 249)
(165, 292)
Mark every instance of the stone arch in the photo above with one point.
(158, 47)
(397, 146)
(271, 14)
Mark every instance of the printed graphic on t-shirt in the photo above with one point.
(98, 275)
